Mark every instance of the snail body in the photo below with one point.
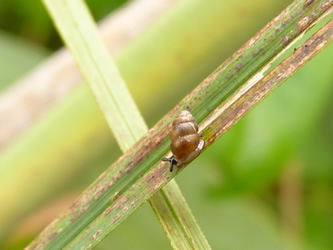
(185, 140)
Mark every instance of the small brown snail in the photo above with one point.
(185, 140)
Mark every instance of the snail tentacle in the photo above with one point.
(172, 161)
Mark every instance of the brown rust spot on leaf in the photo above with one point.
(286, 39)
(255, 53)
(284, 23)
(325, 5)
(307, 3)
(52, 235)
(133, 203)
(115, 219)
(239, 67)
(303, 23)
(125, 209)
(95, 235)
(101, 190)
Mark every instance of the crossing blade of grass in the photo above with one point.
(138, 174)
(99, 70)
(177, 206)
(81, 36)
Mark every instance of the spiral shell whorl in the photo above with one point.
(186, 144)
(184, 137)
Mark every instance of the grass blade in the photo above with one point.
(98, 68)
(81, 36)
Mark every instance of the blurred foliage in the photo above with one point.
(29, 19)
(233, 187)
(12, 51)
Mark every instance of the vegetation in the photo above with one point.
(260, 176)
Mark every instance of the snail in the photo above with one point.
(185, 140)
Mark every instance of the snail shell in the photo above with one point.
(185, 140)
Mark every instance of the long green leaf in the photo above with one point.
(98, 68)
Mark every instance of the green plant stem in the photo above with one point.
(81, 36)
(92, 57)
(172, 199)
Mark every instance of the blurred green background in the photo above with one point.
(266, 184)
